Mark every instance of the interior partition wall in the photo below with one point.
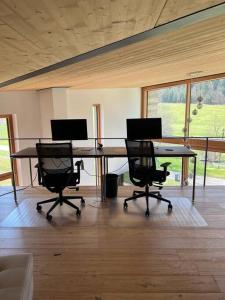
(193, 113)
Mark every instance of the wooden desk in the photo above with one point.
(169, 151)
(105, 154)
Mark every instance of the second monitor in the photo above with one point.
(141, 129)
(69, 129)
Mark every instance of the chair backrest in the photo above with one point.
(141, 159)
(55, 163)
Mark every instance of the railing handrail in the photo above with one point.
(118, 138)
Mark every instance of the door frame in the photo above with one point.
(98, 161)
(12, 147)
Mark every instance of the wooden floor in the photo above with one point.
(107, 260)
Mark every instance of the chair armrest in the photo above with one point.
(40, 182)
(79, 164)
(165, 165)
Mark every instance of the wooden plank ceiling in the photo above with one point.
(35, 34)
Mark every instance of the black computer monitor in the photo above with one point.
(69, 129)
(141, 129)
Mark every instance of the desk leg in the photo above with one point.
(31, 176)
(182, 173)
(106, 165)
(194, 179)
(103, 187)
(13, 180)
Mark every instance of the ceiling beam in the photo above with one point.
(182, 22)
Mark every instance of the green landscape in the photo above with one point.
(207, 119)
(210, 121)
(4, 153)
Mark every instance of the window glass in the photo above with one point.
(168, 104)
(6, 182)
(4, 148)
(207, 111)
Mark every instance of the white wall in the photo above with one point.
(26, 110)
(59, 96)
(46, 111)
(116, 105)
(53, 105)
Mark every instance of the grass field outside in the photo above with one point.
(5, 165)
(3, 132)
(209, 121)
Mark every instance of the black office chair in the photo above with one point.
(56, 172)
(143, 172)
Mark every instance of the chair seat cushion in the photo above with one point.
(148, 175)
(60, 180)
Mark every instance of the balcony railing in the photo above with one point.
(205, 144)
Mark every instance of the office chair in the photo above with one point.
(56, 172)
(143, 172)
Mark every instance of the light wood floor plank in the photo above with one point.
(112, 255)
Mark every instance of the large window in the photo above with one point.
(168, 104)
(192, 108)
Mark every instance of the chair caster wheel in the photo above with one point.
(170, 207)
(39, 207)
(125, 205)
(78, 213)
(147, 213)
(49, 217)
(61, 203)
(82, 201)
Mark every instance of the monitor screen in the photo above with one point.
(69, 129)
(141, 129)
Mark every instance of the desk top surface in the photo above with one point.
(161, 151)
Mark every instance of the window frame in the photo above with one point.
(198, 143)
(12, 147)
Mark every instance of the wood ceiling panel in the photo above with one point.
(161, 59)
(175, 9)
(35, 34)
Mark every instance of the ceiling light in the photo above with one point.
(195, 73)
